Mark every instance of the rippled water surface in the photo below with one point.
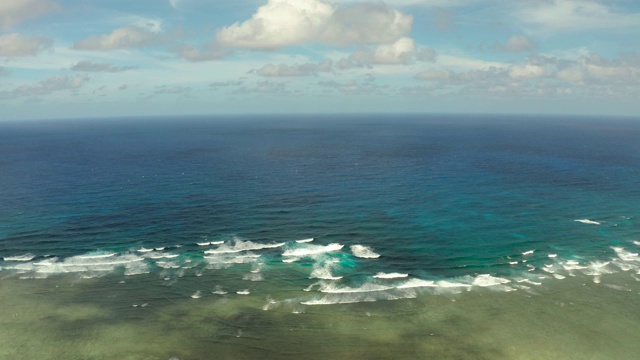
(320, 237)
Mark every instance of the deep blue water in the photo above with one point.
(434, 196)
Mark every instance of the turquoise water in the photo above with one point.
(215, 235)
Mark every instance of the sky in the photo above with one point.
(109, 58)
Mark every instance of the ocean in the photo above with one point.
(320, 237)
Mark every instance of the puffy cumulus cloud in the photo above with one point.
(13, 12)
(572, 74)
(540, 76)
(402, 51)
(281, 23)
(283, 70)
(624, 70)
(98, 67)
(45, 87)
(207, 53)
(527, 71)
(21, 45)
(120, 38)
(518, 43)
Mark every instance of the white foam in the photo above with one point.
(196, 295)
(243, 292)
(637, 243)
(552, 256)
(626, 255)
(587, 221)
(485, 280)
(530, 252)
(416, 283)
(25, 257)
(382, 275)
(253, 277)
(160, 255)
(365, 252)
(311, 250)
(160, 248)
(367, 287)
(89, 265)
(204, 244)
(451, 285)
(305, 241)
(144, 250)
(218, 291)
(96, 256)
(356, 297)
(240, 246)
(219, 261)
(324, 271)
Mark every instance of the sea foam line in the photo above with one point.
(587, 221)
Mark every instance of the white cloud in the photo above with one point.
(121, 38)
(466, 63)
(572, 74)
(13, 12)
(402, 51)
(518, 43)
(98, 67)
(283, 70)
(45, 87)
(399, 52)
(20, 45)
(426, 3)
(282, 23)
(175, 3)
(575, 15)
(527, 71)
(262, 87)
(435, 75)
(191, 53)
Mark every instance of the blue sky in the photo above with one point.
(102, 58)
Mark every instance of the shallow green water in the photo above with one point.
(65, 318)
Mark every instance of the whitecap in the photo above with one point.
(305, 241)
(323, 270)
(96, 256)
(311, 250)
(196, 295)
(382, 275)
(486, 280)
(365, 252)
(218, 290)
(253, 277)
(416, 283)
(530, 252)
(587, 221)
(243, 292)
(240, 246)
(25, 257)
(365, 288)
